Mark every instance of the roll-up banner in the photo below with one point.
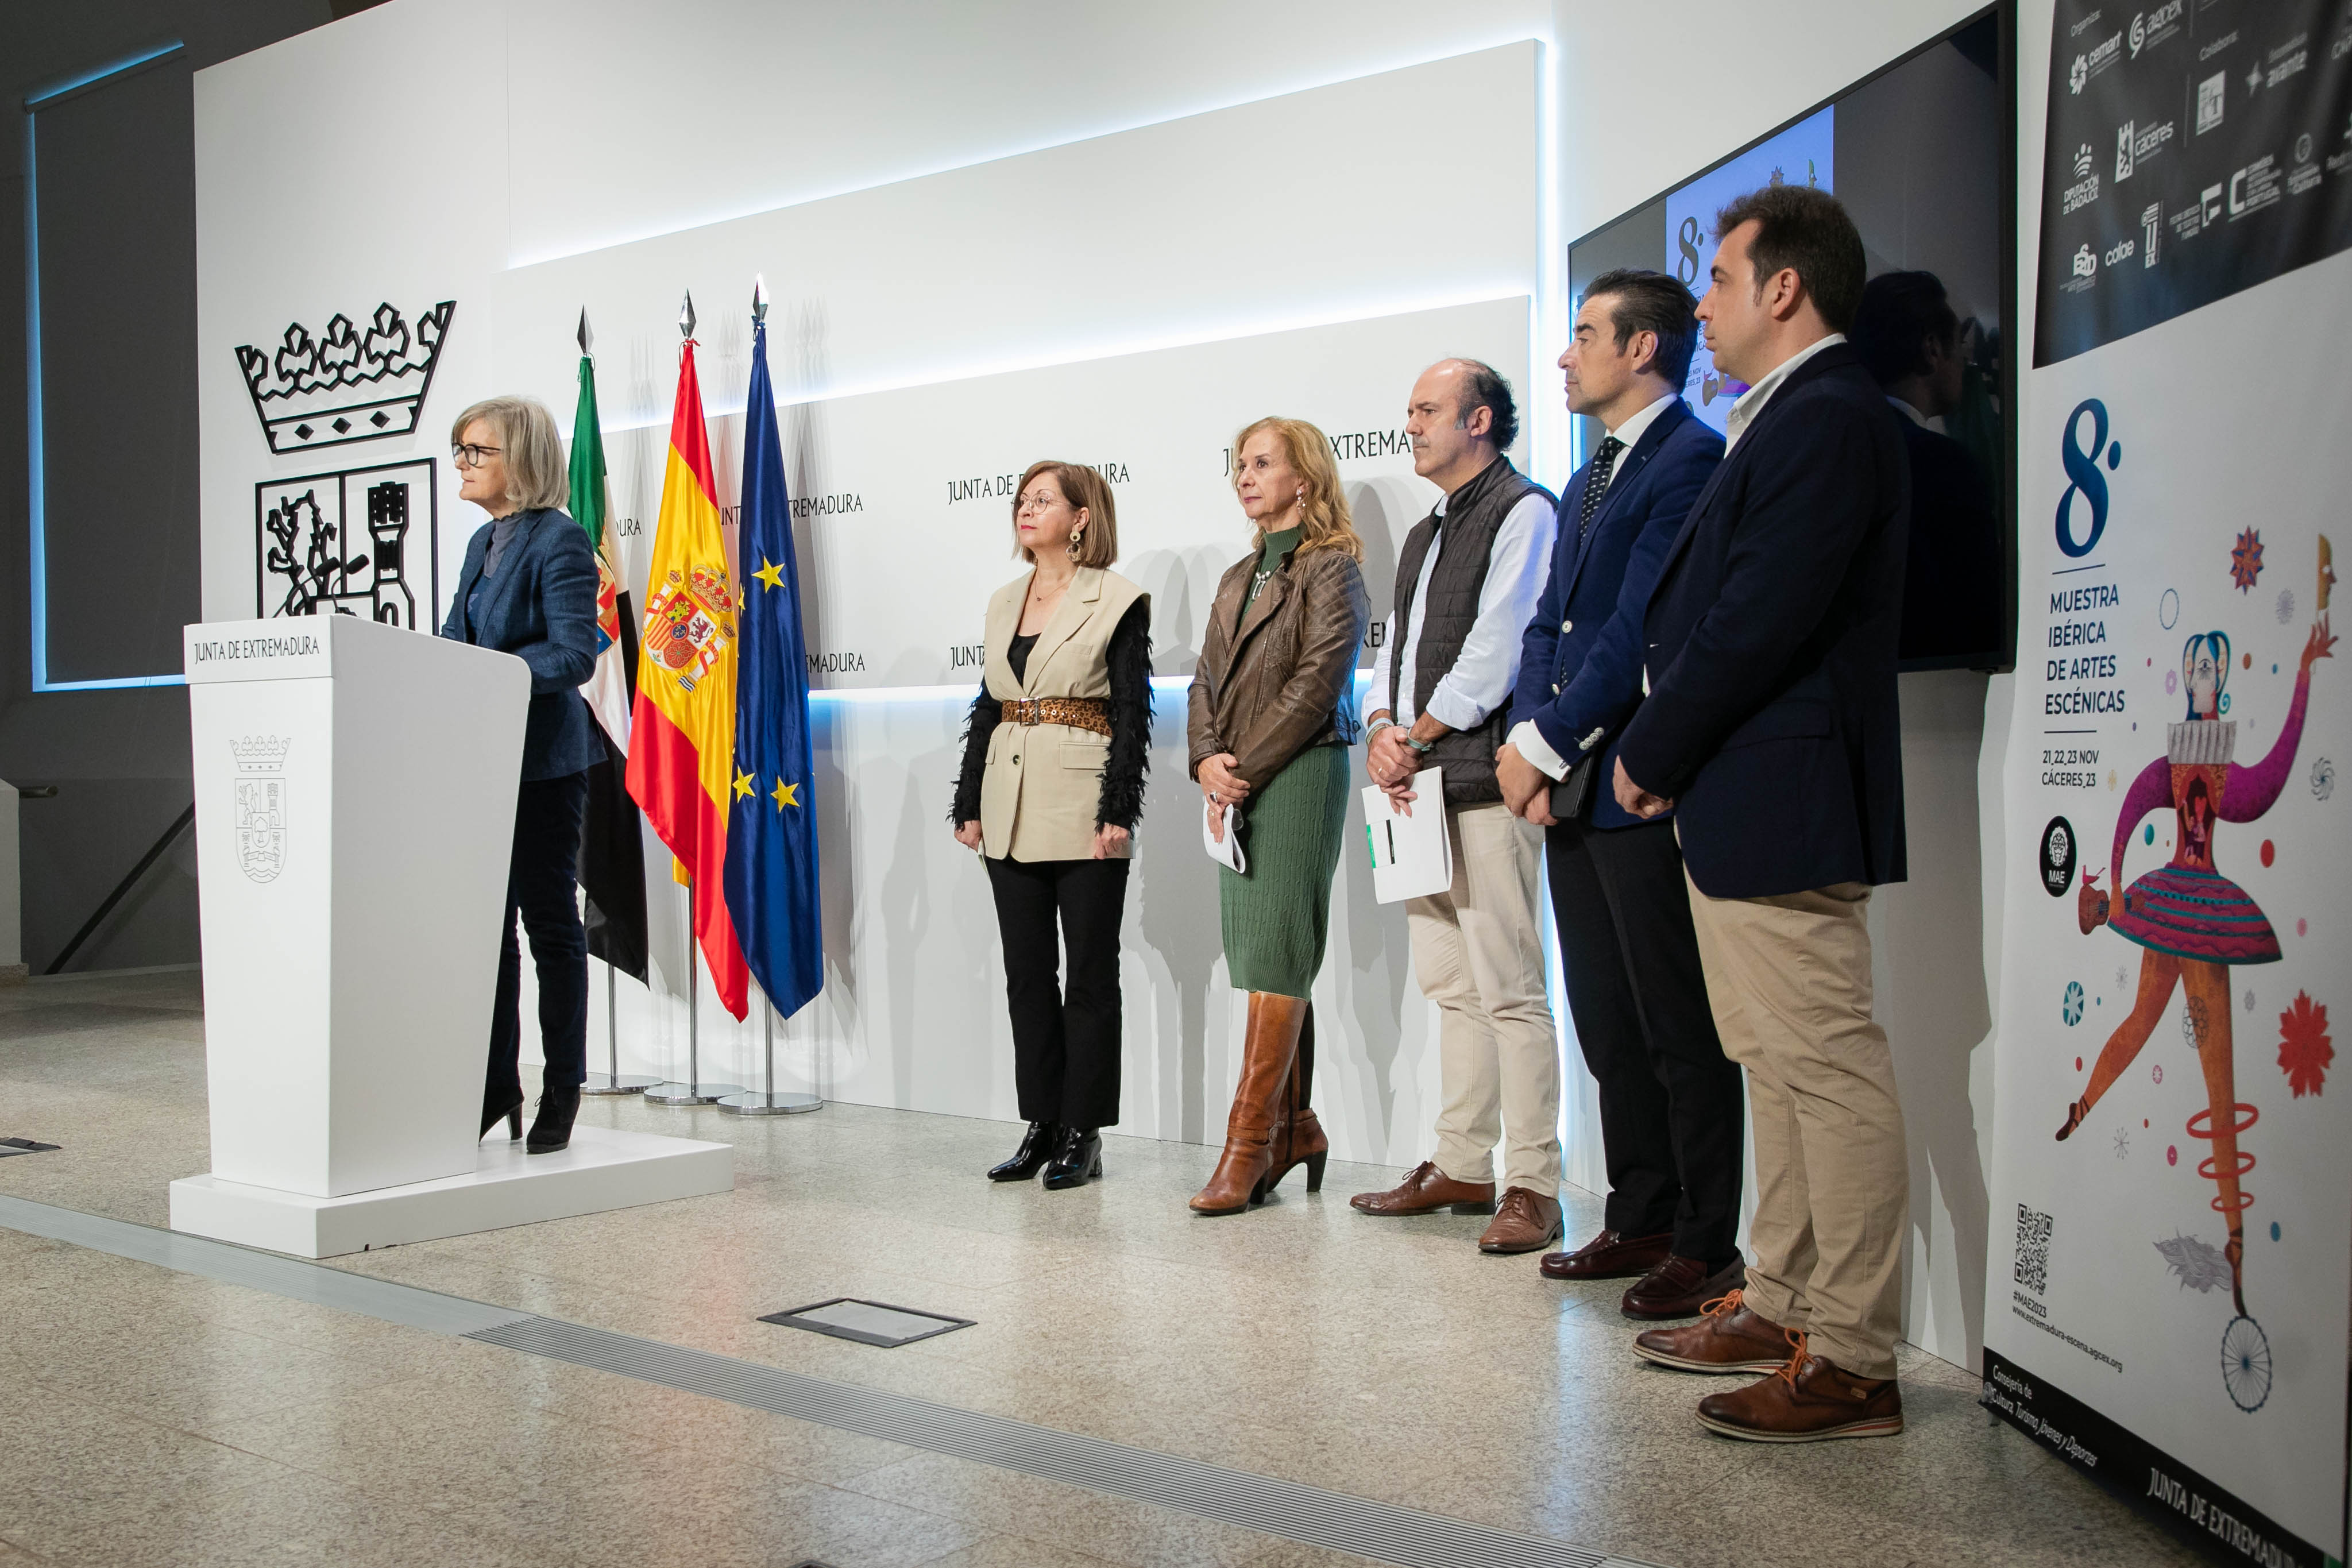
(2172, 1186)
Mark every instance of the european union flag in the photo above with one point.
(772, 885)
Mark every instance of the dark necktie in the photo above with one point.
(1596, 483)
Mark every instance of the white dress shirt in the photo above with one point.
(1524, 734)
(1752, 401)
(1488, 665)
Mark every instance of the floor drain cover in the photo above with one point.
(23, 1146)
(867, 1322)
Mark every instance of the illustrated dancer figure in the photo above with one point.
(2195, 922)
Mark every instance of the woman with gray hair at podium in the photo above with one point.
(529, 588)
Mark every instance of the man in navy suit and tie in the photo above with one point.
(1670, 1101)
(1771, 728)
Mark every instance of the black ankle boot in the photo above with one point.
(1077, 1162)
(509, 1112)
(552, 1128)
(1037, 1146)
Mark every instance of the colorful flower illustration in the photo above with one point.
(2305, 1050)
(2246, 560)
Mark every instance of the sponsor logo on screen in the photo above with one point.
(2135, 143)
(2211, 95)
(2149, 28)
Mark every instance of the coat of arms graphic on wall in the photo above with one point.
(344, 543)
(260, 793)
(345, 384)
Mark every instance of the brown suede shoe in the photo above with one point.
(1728, 1339)
(1807, 1401)
(1679, 1286)
(1526, 1221)
(1425, 1190)
(1612, 1254)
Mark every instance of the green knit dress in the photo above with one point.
(1276, 917)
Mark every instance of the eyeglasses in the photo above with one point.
(470, 456)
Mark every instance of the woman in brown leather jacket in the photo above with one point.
(1272, 719)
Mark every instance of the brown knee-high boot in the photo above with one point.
(1269, 1045)
(1298, 1138)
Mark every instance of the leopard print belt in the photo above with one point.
(1077, 713)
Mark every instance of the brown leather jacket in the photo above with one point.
(1282, 679)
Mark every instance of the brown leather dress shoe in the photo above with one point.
(1807, 1401)
(1612, 1254)
(1679, 1286)
(1728, 1339)
(1527, 1221)
(1425, 1190)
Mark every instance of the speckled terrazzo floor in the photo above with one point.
(160, 1417)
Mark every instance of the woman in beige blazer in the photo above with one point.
(1051, 789)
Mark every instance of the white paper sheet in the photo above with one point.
(1412, 856)
(1228, 853)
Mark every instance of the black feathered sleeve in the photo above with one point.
(978, 725)
(1130, 658)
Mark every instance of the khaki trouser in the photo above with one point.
(1788, 978)
(1478, 954)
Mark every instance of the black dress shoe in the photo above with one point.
(1077, 1162)
(1612, 1254)
(551, 1129)
(1681, 1287)
(1037, 1146)
(509, 1112)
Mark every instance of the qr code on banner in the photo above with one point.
(2033, 1250)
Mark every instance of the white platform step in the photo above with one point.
(604, 1169)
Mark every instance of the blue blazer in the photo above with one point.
(541, 606)
(1581, 658)
(1771, 719)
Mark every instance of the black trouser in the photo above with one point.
(1065, 1040)
(540, 888)
(1671, 1107)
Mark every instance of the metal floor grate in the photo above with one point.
(868, 1323)
(1406, 1536)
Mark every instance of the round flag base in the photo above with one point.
(754, 1102)
(605, 1083)
(690, 1093)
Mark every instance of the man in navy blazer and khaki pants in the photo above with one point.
(1671, 1111)
(1772, 726)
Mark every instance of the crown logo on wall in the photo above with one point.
(345, 384)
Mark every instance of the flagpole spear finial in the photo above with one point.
(759, 297)
(686, 316)
(586, 337)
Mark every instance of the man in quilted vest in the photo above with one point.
(1467, 580)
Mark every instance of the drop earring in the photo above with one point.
(1076, 535)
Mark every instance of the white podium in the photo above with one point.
(355, 792)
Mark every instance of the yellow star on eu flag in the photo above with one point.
(785, 794)
(770, 573)
(743, 786)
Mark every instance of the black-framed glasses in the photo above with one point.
(470, 456)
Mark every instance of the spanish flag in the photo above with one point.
(682, 728)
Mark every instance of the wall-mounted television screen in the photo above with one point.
(1918, 153)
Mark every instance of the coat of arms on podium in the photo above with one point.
(345, 384)
(343, 544)
(260, 793)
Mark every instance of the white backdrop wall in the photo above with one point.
(425, 170)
